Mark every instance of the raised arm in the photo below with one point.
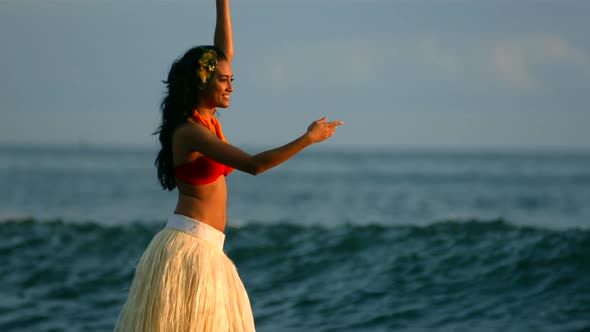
(223, 38)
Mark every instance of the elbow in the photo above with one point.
(254, 169)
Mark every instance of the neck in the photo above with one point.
(206, 112)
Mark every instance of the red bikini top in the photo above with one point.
(203, 170)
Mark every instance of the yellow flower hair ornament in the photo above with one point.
(207, 65)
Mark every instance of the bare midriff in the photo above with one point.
(205, 203)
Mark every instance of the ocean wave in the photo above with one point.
(445, 275)
(444, 225)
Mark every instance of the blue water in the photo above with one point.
(333, 240)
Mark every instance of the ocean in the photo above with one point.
(333, 240)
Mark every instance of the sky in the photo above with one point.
(400, 74)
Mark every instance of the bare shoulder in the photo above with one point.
(191, 137)
(190, 130)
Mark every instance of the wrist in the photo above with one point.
(307, 139)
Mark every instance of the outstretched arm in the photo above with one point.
(223, 38)
(199, 138)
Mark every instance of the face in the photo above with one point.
(220, 87)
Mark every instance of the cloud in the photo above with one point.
(512, 65)
(555, 48)
(320, 62)
(431, 51)
(352, 63)
(515, 59)
(521, 63)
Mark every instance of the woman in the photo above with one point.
(184, 281)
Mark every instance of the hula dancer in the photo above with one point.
(184, 281)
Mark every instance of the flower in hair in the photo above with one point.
(207, 65)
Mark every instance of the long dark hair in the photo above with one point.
(183, 88)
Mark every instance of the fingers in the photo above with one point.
(331, 127)
(335, 123)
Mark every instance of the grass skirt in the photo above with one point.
(185, 282)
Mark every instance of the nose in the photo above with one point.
(230, 86)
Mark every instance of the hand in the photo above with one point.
(320, 130)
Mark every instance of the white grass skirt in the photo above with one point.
(185, 282)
